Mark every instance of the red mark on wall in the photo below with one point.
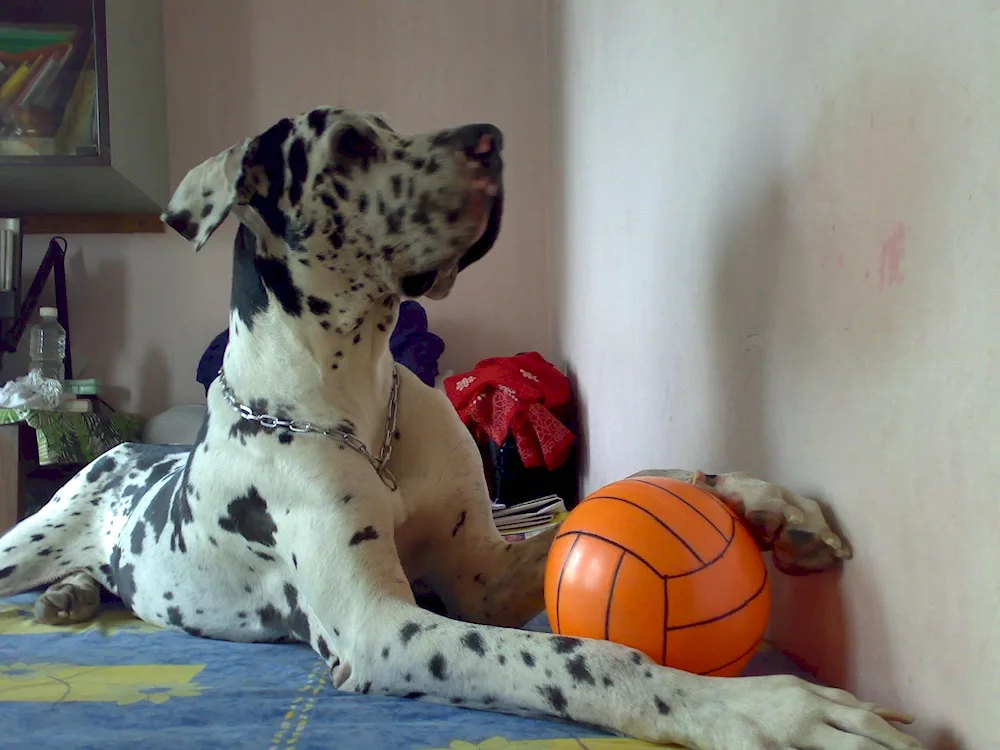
(893, 251)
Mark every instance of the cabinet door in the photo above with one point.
(53, 89)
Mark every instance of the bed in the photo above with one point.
(118, 682)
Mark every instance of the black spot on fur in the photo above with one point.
(168, 595)
(554, 696)
(577, 668)
(264, 556)
(104, 465)
(5, 572)
(296, 623)
(415, 694)
(324, 649)
(566, 645)
(474, 642)
(295, 561)
(138, 534)
(170, 504)
(248, 516)
(249, 296)
(123, 577)
(438, 667)
(366, 688)
(636, 657)
(37, 537)
(276, 277)
(318, 306)
(528, 659)
(174, 617)
(317, 121)
(407, 632)
(457, 701)
(366, 534)
(206, 210)
(461, 522)
(385, 652)
(662, 707)
(502, 659)
(266, 153)
(394, 221)
(180, 221)
(347, 498)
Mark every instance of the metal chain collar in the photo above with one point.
(269, 422)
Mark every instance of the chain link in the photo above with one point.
(270, 422)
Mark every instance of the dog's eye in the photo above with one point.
(354, 144)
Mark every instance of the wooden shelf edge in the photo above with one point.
(92, 224)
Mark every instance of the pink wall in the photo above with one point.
(145, 307)
(786, 263)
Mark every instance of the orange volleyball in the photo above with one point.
(663, 567)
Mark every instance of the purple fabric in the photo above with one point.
(411, 343)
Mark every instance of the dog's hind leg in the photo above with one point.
(76, 598)
(54, 544)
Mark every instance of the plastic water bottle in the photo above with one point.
(48, 345)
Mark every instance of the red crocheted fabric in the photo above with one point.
(519, 395)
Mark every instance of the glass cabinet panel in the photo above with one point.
(49, 80)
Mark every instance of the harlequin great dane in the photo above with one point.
(326, 481)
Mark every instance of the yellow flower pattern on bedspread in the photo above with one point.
(19, 620)
(124, 685)
(59, 682)
(566, 743)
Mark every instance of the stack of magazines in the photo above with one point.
(524, 520)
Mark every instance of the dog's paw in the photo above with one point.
(791, 525)
(781, 711)
(68, 602)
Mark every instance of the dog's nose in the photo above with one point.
(482, 143)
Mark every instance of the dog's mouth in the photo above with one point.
(436, 284)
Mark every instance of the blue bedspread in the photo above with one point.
(120, 683)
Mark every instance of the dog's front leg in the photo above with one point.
(347, 572)
(792, 525)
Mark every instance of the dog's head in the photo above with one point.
(339, 197)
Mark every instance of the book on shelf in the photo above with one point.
(48, 91)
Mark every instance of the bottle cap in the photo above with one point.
(48, 312)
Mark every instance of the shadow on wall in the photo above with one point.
(98, 310)
(752, 241)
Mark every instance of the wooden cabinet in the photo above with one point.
(82, 109)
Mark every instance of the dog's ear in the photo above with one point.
(202, 200)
